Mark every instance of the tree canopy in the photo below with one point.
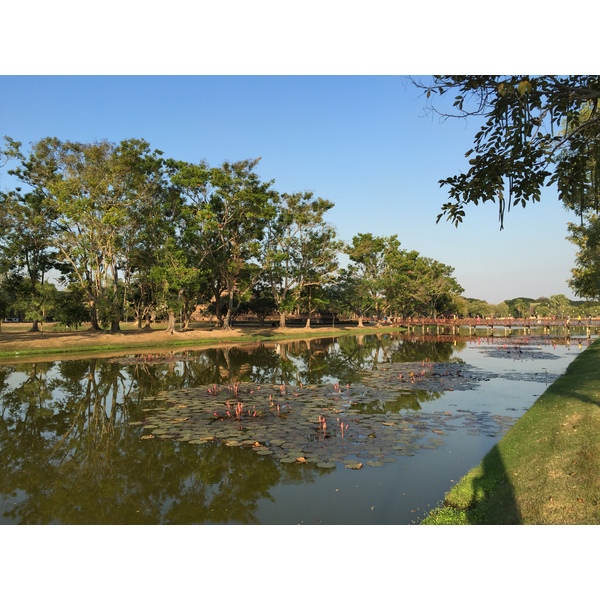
(537, 131)
(129, 233)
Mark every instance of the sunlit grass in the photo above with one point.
(546, 469)
(239, 335)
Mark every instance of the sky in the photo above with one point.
(320, 91)
(363, 142)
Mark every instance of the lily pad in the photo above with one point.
(354, 465)
(317, 423)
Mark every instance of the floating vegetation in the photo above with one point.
(322, 425)
(519, 352)
(428, 376)
(353, 465)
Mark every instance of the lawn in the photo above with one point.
(546, 469)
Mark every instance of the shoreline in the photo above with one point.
(20, 345)
(544, 471)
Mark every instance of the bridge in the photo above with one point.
(487, 326)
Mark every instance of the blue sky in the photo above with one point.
(363, 142)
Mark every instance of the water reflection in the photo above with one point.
(69, 454)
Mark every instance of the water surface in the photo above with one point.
(78, 444)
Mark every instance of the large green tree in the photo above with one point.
(415, 284)
(152, 212)
(585, 280)
(26, 251)
(369, 260)
(440, 287)
(92, 194)
(226, 210)
(537, 131)
(300, 252)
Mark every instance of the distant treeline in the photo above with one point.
(102, 232)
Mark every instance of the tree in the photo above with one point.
(26, 235)
(501, 310)
(438, 287)
(227, 210)
(585, 280)
(152, 213)
(170, 275)
(559, 305)
(538, 130)
(36, 308)
(369, 256)
(70, 308)
(93, 192)
(478, 308)
(262, 303)
(349, 294)
(300, 252)
(405, 283)
(461, 306)
(521, 307)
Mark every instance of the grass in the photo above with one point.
(88, 342)
(546, 469)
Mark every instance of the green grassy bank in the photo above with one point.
(546, 470)
(121, 342)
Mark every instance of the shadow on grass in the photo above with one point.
(584, 398)
(493, 500)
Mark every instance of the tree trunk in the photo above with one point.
(117, 307)
(94, 325)
(171, 322)
(227, 320)
(218, 315)
(307, 326)
(35, 326)
(282, 317)
(226, 324)
(360, 321)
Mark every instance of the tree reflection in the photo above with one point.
(409, 401)
(69, 454)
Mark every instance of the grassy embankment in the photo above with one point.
(17, 342)
(546, 470)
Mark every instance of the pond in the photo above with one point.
(352, 430)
